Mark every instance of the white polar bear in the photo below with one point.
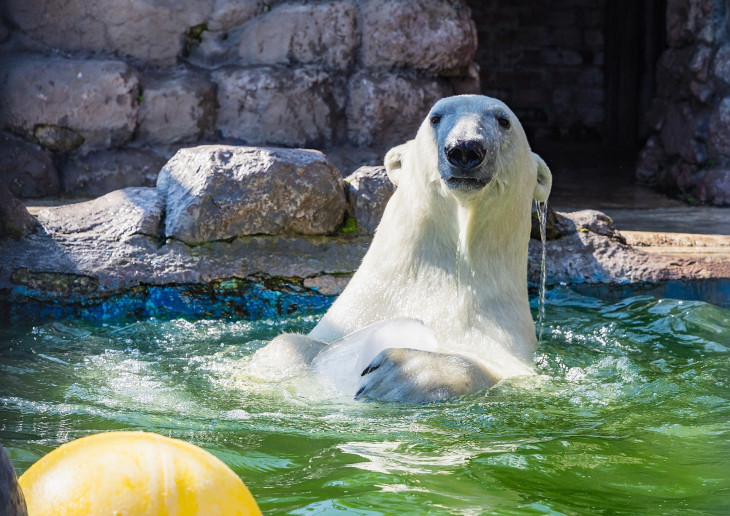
(450, 252)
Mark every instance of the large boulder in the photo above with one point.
(384, 109)
(176, 109)
(101, 172)
(368, 190)
(312, 33)
(279, 106)
(220, 192)
(26, 169)
(64, 104)
(430, 35)
(152, 31)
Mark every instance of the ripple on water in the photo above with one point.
(629, 413)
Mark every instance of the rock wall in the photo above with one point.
(98, 78)
(688, 151)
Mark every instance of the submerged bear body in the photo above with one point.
(450, 252)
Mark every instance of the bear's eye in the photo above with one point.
(435, 119)
(503, 121)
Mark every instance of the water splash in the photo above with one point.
(542, 218)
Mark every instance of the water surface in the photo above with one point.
(630, 414)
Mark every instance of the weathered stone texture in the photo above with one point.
(694, 21)
(431, 35)
(721, 64)
(688, 151)
(26, 169)
(292, 107)
(368, 190)
(385, 109)
(15, 221)
(107, 247)
(713, 186)
(99, 173)
(115, 216)
(177, 109)
(94, 100)
(719, 131)
(311, 33)
(220, 192)
(679, 133)
(158, 74)
(152, 31)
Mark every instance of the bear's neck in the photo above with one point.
(463, 272)
(489, 244)
(472, 256)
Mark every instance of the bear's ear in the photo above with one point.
(544, 179)
(394, 162)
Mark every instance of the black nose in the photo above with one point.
(465, 154)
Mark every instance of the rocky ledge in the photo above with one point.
(257, 232)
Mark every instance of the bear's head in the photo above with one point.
(472, 146)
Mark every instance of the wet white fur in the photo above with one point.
(457, 262)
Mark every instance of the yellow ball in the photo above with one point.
(133, 473)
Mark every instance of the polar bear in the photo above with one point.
(439, 306)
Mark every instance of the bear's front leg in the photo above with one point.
(415, 376)
(287, 355)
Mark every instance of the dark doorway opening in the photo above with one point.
(635, 39)
(580, 75)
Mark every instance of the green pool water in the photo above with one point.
(630, 414)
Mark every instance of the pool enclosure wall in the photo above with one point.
(121, 90)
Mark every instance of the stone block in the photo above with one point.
(713, 187)
(430, 35)
(176, 109)
(152, 31)
(700, 63)
(719, 131)
(649, 165)
(116, 216)
(101, 172)
(15, 221)
(691, 21)
(385, 109)
(679, 133)
(67, 103)
(721, 64)
(220, 192)
(26, 169)
(298, 107)
(321, 33)
(368, 190)
(229, 14)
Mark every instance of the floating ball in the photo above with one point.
(133, 473)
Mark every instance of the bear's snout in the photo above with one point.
(466, 164)
(465, 155)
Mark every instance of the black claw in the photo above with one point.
(359, 392)
(369, 369)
